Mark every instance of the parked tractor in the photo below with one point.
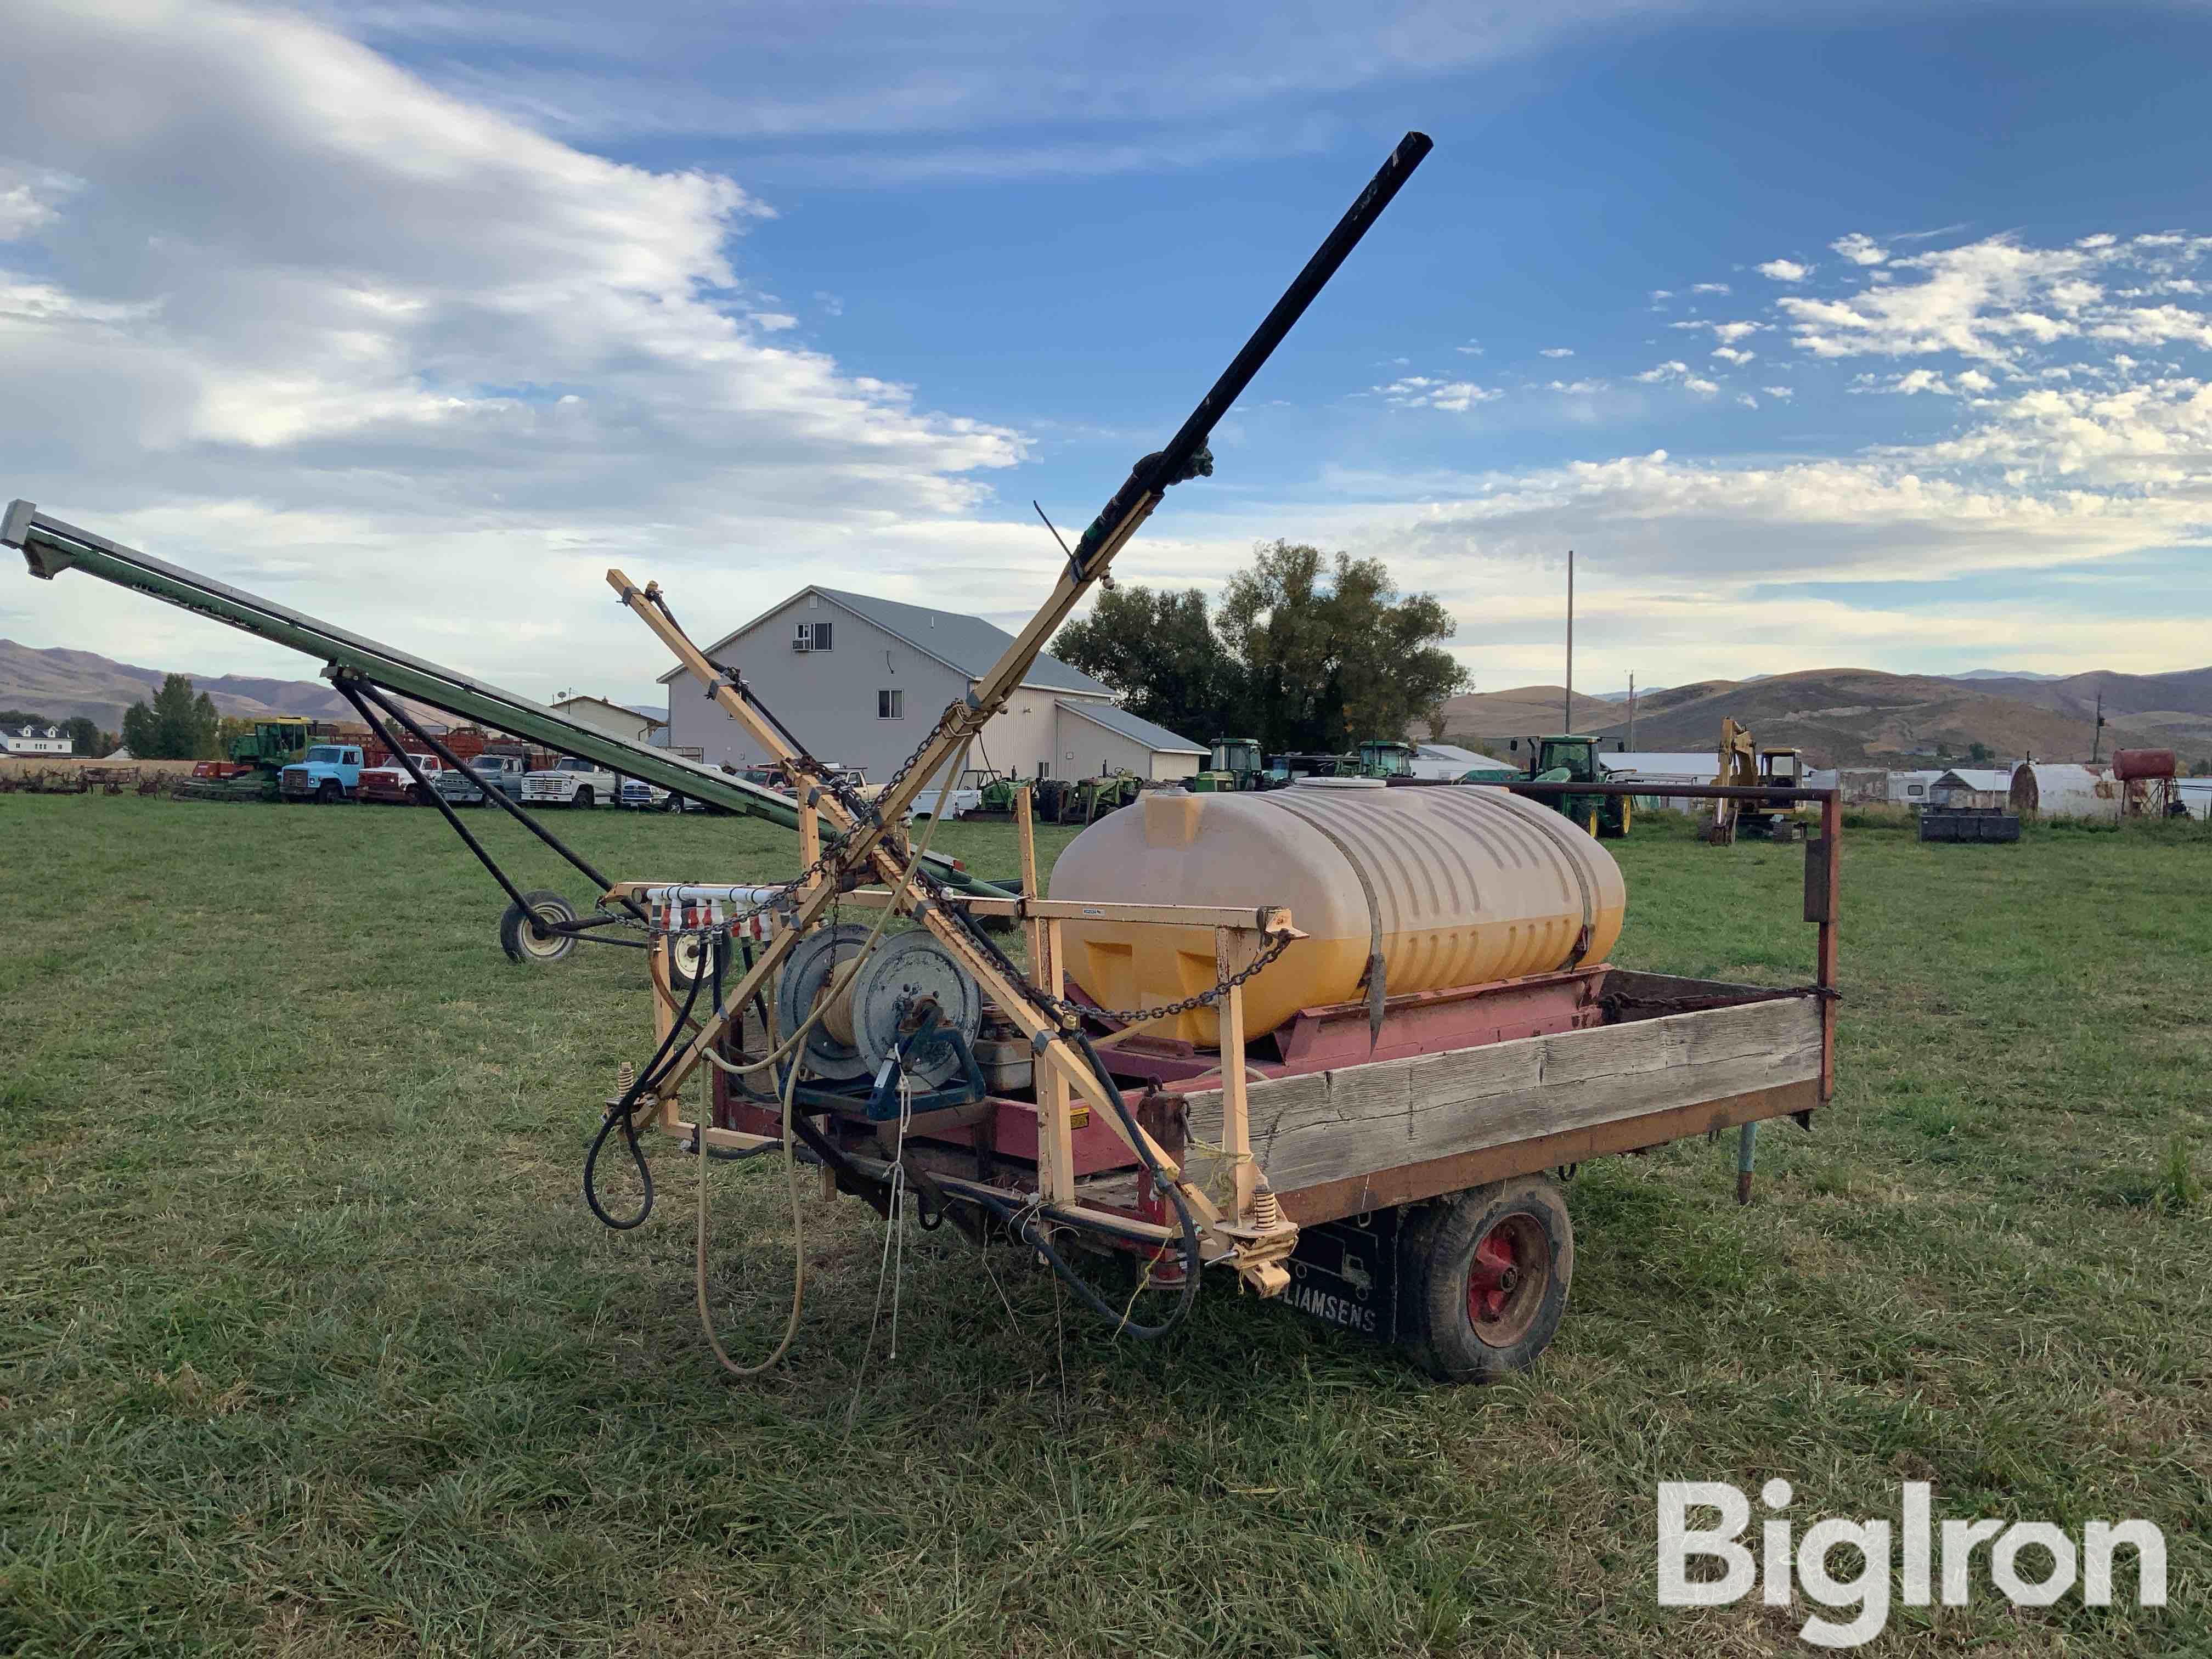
(1235, 765)
(1379, 758)
(256, 759)
(1569, 757)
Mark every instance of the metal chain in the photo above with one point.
(1277, 944)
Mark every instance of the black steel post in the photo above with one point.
(1153, 474)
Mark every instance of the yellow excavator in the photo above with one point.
(1744, 765)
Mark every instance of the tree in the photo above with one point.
(1158, 651)
(1980, 753)
(177, 727)
(17, 718)
(1331, 653)
(1307, 653)
(84, 737)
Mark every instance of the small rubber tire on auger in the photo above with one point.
(690, 955)
(522, 938)
(1487, 1276)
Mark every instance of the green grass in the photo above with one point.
(307, 1344)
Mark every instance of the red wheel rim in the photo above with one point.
(1507, 1278)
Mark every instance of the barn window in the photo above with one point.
(890, 705)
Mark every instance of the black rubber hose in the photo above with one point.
(1037, 1237)
(624, 1113)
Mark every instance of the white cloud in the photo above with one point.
(1746, 400)
(1658, 294)
(501, 361)
(1997, 300)
(1731, 355)
(1578, 388)
(1784, 271)
(1708, 288)
(1860, 249)
(1781, 391)
(29, 199)
(1677, 373)
(1557, 351)
(2156, 325)
(1472, 348)
(1422, 392)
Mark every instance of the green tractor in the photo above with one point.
(1381, 758)
(1088, 800)
(1568, 759)
(1236, 765)
(255, 758)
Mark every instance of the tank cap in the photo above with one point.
(1339, 783)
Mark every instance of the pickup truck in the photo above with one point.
(328, 772)
(643, 797)
(466, 787)
(570, 782)
(391, 784)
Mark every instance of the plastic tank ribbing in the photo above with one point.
(1469, 886)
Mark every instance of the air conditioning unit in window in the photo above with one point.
(800, 641)
(811, 636)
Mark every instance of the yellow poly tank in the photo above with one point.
(1467, 885)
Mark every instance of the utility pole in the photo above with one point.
(1631, 713)
(1570, 724)
(2097, 735)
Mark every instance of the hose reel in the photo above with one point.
(907, 979)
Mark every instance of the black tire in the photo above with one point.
(330, 793)
(584, 797)
(1520, 1297)
(415, 795)
(524, 941)
(673, 804)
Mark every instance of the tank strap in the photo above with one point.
(1554, 825)
(1377, 989)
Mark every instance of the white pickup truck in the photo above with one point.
(571, 782)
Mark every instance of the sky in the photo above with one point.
(1826, 335)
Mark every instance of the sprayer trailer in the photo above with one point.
(1390, 1163)
(1337, 1039)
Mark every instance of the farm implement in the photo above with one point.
(1335, 1039)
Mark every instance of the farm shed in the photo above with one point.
(2064, 790)
(1660, 767)
(861, 679)
(1119, 742)
(1971, 787)
(1446, 760)
(632, 725)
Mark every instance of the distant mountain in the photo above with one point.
(1490, 718)
(2000, 674)
(62, 685)
(1861, 717)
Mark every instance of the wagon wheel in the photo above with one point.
(524, 938)
(1487, 1270)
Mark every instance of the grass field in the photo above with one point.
(307, 1344)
